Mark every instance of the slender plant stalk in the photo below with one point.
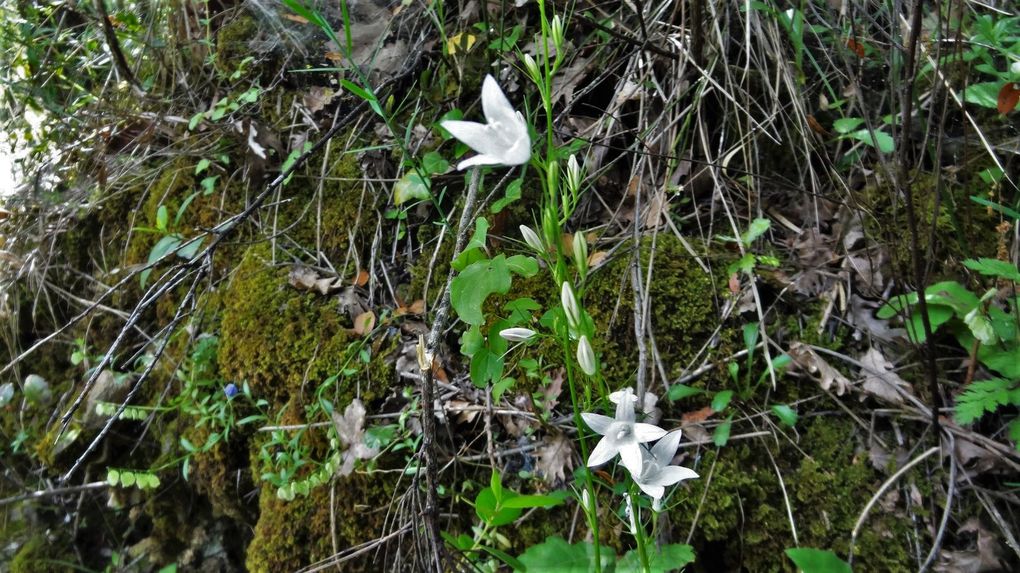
(427, 395)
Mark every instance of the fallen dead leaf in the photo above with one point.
(417, 307)
(809, 360)
(361, 279)
(554, 458)
(697, 416)
(317, 98)
(350, 428)
(551, 393)
(304, 278)
(597, 258)
(880, 380)
(364, 323)
(296, 18)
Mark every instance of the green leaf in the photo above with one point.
(475, 283)
(787, 415)
(490, 512)
(757, 228)
(202, 165)
(502, 556)
(751, 333)
(882, 141)
(555, 554)
(520, 309)
(672, 557)
(994, 268)
(162, 216)
(681, 391)
(434, 164)
(982, 397)
(496, 484)
(817, 561)
(453, 114)
(159, 250)
(721, 400)
(744, 264)
(195, 119)
(845, 125)
(980, 326)
(188, 250)
(937, 316)
(471, 341)
(985, 94)
(473, 249)
(523, 265)
(722, 432)
(1012, 213)
(127, 479)
(513, 193)
(500, 388)
(112, 477)
(529, 501)
(411, 186)
(486, 366)
(364, 94)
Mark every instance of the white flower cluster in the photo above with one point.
(650, 467)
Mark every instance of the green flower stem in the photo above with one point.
(579, 423)
(639, 529)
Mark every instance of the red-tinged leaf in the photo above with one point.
(361, 279)
(697, 416)
(1009, 95)
(855, 47)
(734, 283)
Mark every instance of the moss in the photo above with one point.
(683, 310)
(301, 531)
(743, 522)
(233, 42)
(39, 554)
(962, 228)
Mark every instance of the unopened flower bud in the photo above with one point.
(532, 239)
(570, 307)
(557, 32)
(516, 334)
(586, 356)
(581, 253)
(574, 174)
(532, 68)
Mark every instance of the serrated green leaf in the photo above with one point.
(982, 397)
(994, 268)
(757, 228)
(817, 561)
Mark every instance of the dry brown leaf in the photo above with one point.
(597, 258)
(462, 410)
(317, 98)
(350, 428)
(880, 380)
(417, 307)
(554, 458)
(304, 278)
(296, 18)
(551, 393)
(364, 323)
(657, 209)
(989, 553)
(697, 416)
(809, 360)
(361, 279)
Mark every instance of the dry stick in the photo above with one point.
(431, 347)
(53, 492)
(937, 544)
(878, 495)
(906, 188)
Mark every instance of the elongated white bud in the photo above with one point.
(586, 356)
(532, 239)
(532, 68)
(574, 174)
(581, 253)
(516, 334)
(556, 31)
(570, 307)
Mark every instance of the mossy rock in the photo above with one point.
(743, 523)
(301, 531)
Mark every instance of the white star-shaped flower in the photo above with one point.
(656, 472)
(621, 435)
(503, 138)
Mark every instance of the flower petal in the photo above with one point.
(664, 450)
(477, 136)
(653, 491)
(495, 106)
(604, 451)
(648, 433)
(597, 422)
(670, 475)
(478, 160)
(630, 455)
(625, 406)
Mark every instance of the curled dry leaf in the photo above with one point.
(304, 278)
(350, 428)
(1009, 96)
(416, 307)
(880, 380)
(554, 458)
(809, 360)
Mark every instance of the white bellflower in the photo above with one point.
(621, 435)
(503, 138)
